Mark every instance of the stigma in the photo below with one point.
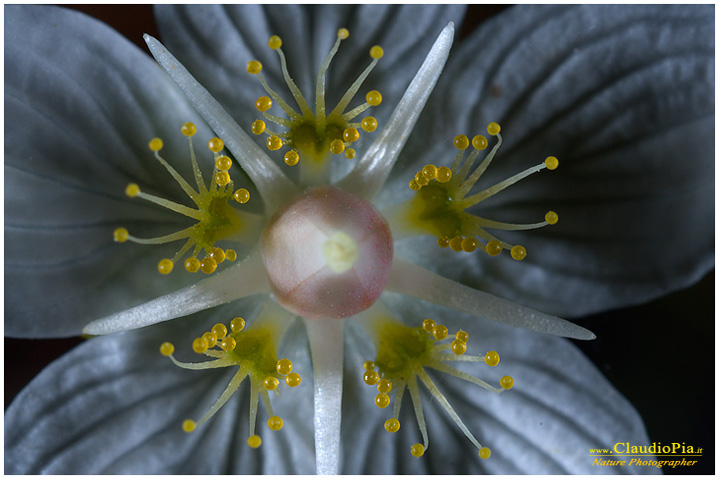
(403, 355)
(215, 218)
(253, 350)
(443, 197)
(327, 254)
(313, 136)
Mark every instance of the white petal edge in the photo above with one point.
(274, 187)
(326, 347)
(410, 279)
(246, 278)
(369, 175)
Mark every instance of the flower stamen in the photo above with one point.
(403, 354)
(439, 207)
(216, 219)
(314, 135)
(253, 351)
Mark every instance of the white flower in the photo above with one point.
(101, 438)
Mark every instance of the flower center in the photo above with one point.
(314, 135)
(327, 254)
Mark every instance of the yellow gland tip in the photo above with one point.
(199, 345)
(458, 347)
(374, 98)
(219, 330)
(371, 377)
(210, 339)
(228, 344)
(223, 162)
(188, 426)
(444, 174)
(392, 425)
(484, 453)
(337, 146)
(222, 178)
(192, 264)
(415, 186)
(376, 52)
(215, 144)
(493, 248)
(165, 266)
(275, 423)
(284, 366)
(417, 450)
(188, 129)
(241, 195)
(462, 336)
(440, 332)
(428, 325)
(217, 254)
(493, 128)
(121, 235)
(456, 244)
(237, 324)
(271, 383)
(518, 252)
(351, 134)
(430, 172)
(293, 380)
(551, 163)
(231, 254)
(469, 244)
(492, 358)
(551, 217)
(255, 441)
(461, 142)
(263, 103)
(254, 67)
(369, 365)
(343, 33)
(292, 158)
(479, 142)
(167, 349)
(443, 242)
(274, 142)
(384, 386)
(369, 124)
(257, 127)
(382, 400)
(275, 42)
(421, 179)
(349, 153)
(507, 382)
(208, 265)
(132, 190)
(155, 144)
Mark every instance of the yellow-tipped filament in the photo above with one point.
(313, 135)
(403, 354)
(215, 218)
(443, 197)
(253, 351)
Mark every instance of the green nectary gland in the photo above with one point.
(255, 351)
(223, 221)
(403, 350)
(438, 209)
(313, 139)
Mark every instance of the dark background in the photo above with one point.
(660, 355)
